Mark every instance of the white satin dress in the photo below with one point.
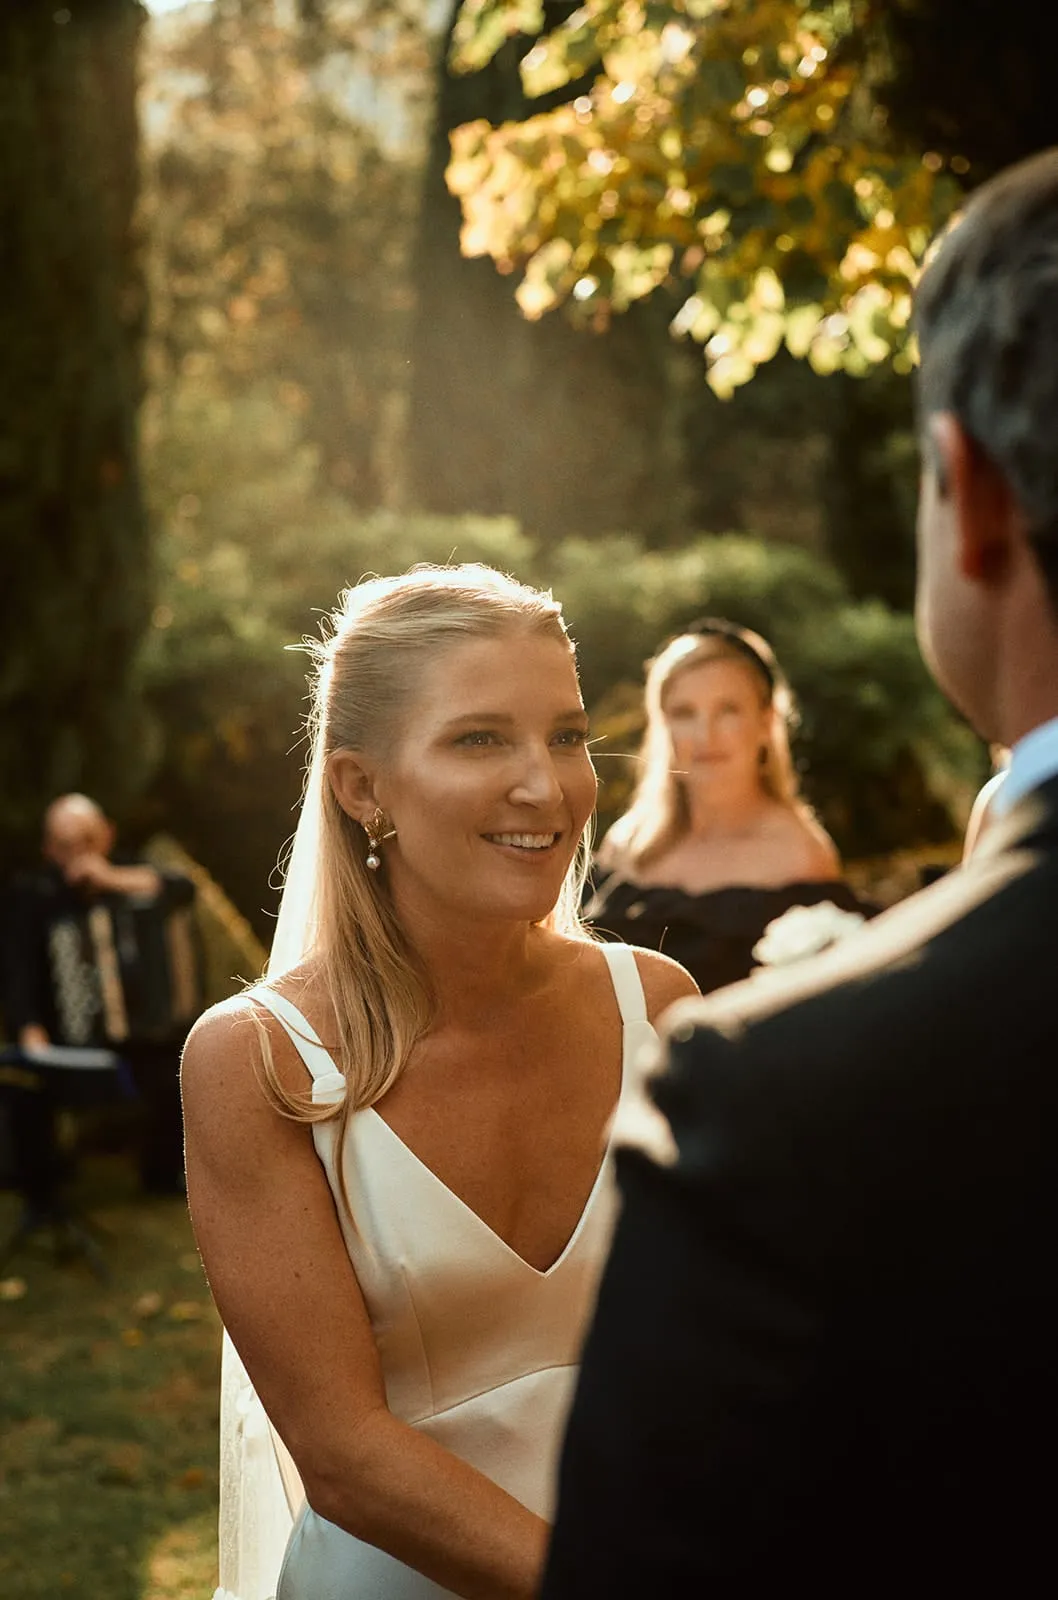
(478, 1349)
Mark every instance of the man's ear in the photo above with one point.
(985, 516)
(352, 781)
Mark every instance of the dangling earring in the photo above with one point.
(373, 829)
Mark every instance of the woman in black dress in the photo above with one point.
(716, 842)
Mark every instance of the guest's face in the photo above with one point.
(72, 831)
(719, 724)
(491, 785)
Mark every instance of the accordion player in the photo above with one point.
(86, 967)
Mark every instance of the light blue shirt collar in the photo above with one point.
(1033, 760)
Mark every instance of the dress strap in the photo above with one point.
(628, 986)
(303, 1035)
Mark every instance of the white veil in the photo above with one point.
(260, 1490)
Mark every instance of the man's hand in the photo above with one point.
(90, 871)
(94, 871)
(33, 1037)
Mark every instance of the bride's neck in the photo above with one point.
(473, 964)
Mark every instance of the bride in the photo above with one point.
(396, 1145)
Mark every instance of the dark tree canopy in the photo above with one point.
(972, 79)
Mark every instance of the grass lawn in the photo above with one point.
(108, 1407)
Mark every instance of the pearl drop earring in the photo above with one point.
(374, 830)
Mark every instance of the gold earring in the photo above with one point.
(375, 833)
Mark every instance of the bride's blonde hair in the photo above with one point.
(658, 813)
(379, 645)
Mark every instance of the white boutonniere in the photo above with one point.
(805, 931)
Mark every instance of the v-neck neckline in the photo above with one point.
(628, 992)
(568, 1248)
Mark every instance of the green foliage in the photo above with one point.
(730, 146)
(621, 601)
(485, 25)
(279, 219)
(885, 760)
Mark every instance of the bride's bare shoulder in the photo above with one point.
(222, 1024)
(664, 980)
(226, 1046)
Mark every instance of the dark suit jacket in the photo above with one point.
(826, 1346)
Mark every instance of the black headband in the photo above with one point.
(718, 628)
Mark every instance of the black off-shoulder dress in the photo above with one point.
(711, 934)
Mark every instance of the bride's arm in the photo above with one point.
(265, 1223)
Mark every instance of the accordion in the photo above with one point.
(125, 969)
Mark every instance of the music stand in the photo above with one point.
(35, 1085)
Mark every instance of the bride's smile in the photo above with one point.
(488, 786)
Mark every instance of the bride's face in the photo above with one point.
(490, 786)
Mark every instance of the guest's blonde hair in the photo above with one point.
(659, 814)
(380, 644)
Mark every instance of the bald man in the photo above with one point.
(99, 952)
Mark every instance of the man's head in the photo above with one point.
(75, 826)
(986, 316)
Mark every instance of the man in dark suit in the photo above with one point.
(826, 1346)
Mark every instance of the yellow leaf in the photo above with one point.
(729, 373)
(802, 324)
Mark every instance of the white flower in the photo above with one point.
(804, 931)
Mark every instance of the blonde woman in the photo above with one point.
(716, 842)
(396, 1146)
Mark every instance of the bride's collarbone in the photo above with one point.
(508, 1094)
(572, 1015)
(503, 1073)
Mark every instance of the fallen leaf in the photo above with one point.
(149, 1304)
(186, 1310)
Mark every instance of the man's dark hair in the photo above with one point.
(986, 316)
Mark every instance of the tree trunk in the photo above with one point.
(72, 529)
